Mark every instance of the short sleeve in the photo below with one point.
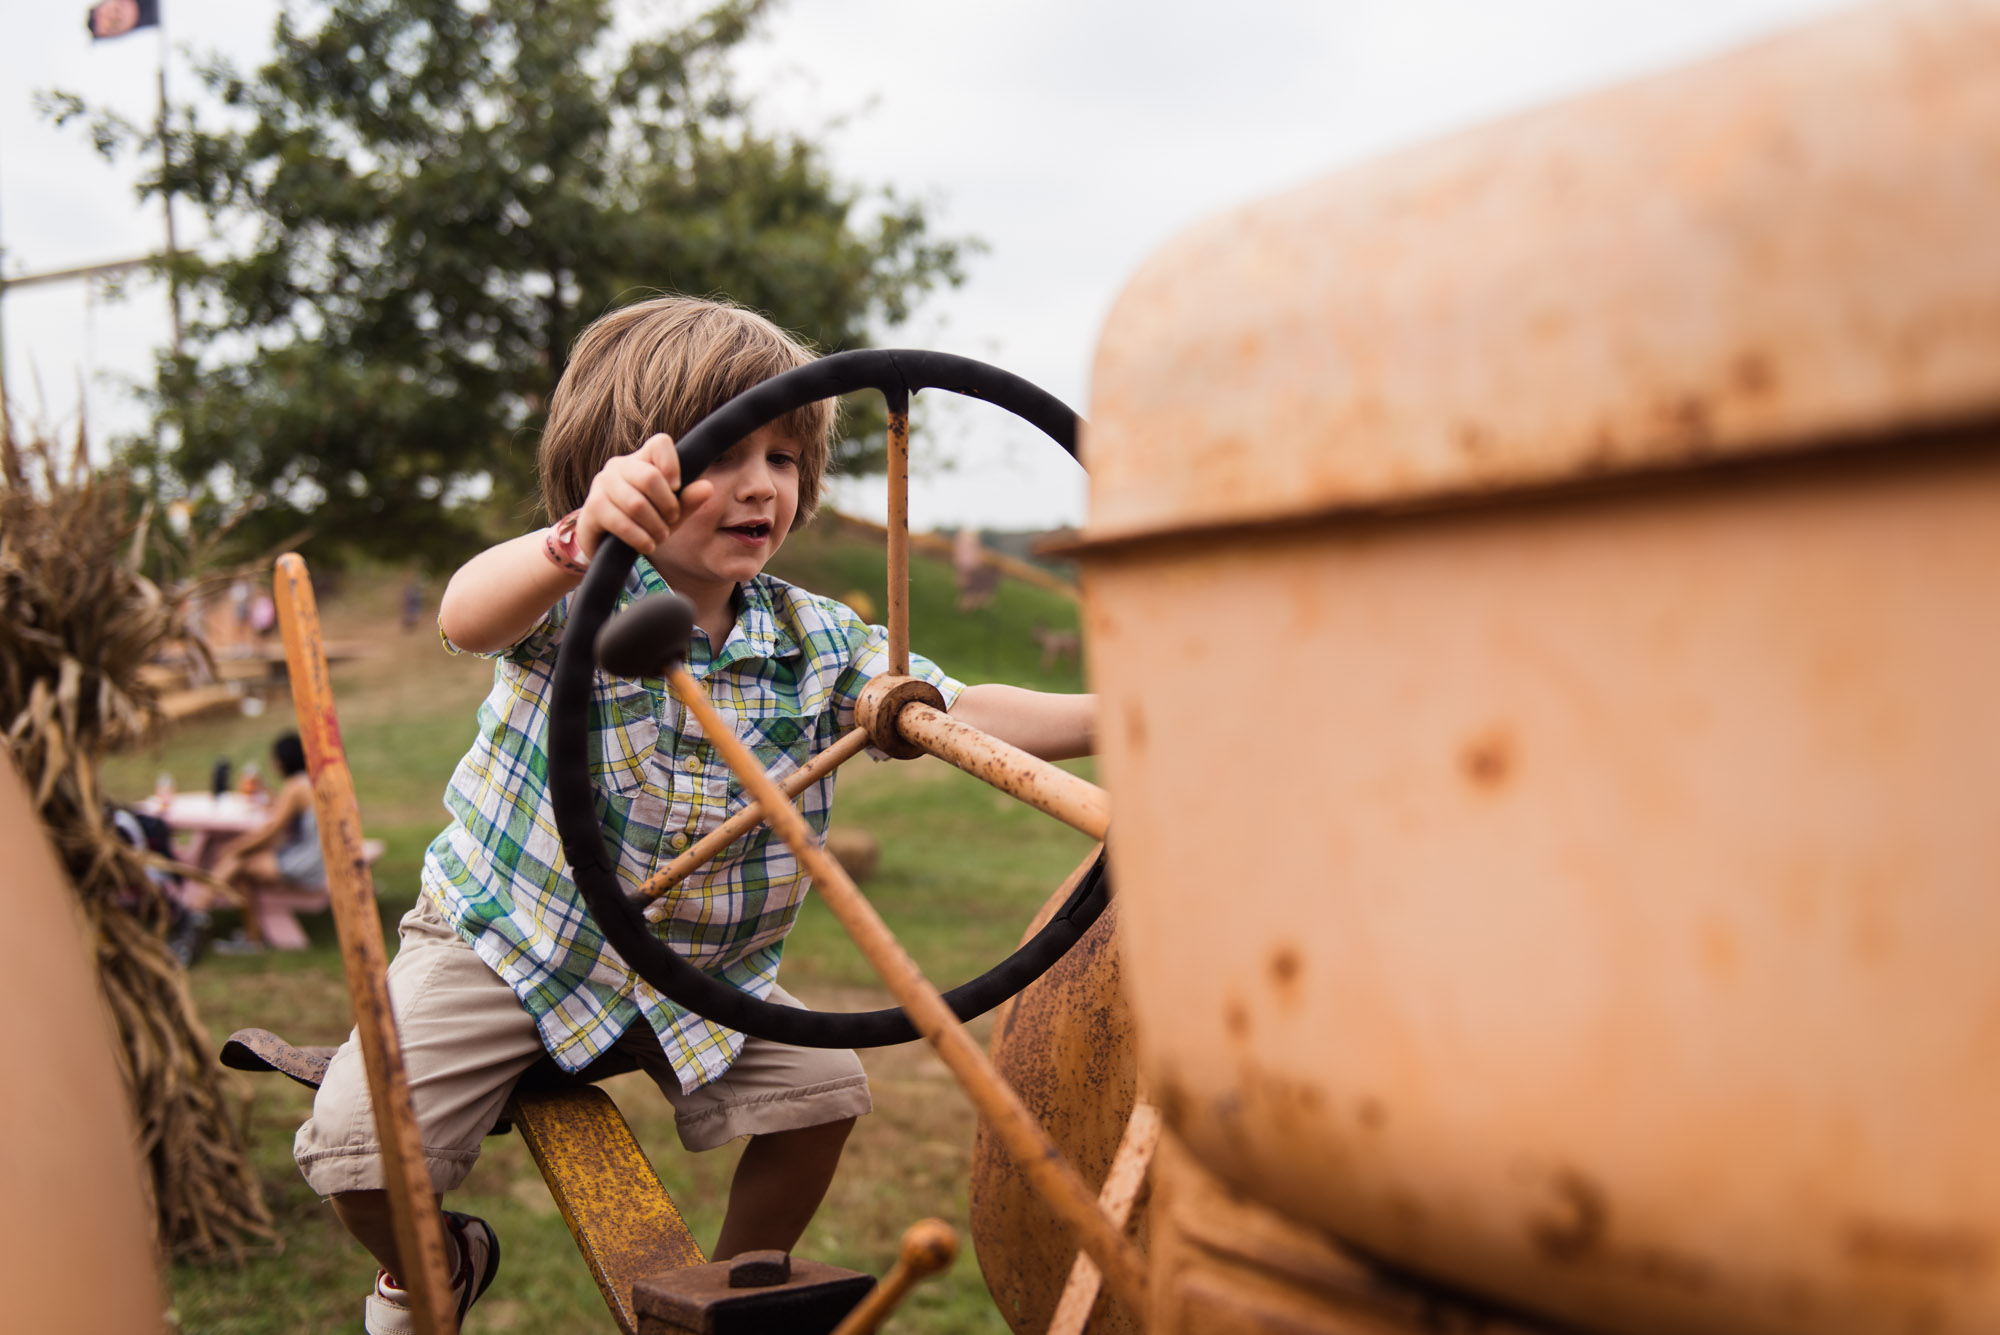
(868, 658)
(531, 646)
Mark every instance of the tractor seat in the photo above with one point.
(262, 1050)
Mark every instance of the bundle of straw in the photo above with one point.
(77, 621)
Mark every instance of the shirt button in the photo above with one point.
(692, 764)
(678, 842)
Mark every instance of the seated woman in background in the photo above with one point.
(280, 862)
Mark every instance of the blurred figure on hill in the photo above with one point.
(263, 616)
(1057, 645)
(413, 603)
(977, 580)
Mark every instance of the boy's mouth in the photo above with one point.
(755, 530)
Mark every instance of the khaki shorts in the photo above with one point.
(467, 1039)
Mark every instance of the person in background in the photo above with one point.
(283, 852)
(413, 603)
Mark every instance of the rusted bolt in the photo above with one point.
(881, 700)
(760, 1270)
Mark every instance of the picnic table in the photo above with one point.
(202, 824)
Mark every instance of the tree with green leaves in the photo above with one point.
(434, 198)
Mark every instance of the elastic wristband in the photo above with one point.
(560, 546)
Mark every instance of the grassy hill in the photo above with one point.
(995, 643)
(962, 870)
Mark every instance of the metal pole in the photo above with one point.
(899, 534)
(167, 202)
(418, 1227)
(1071, 799)
(10, 462)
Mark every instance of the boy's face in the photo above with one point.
(728, 538)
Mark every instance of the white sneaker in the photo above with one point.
(388, 1310)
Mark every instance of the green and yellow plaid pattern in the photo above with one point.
(786, 679)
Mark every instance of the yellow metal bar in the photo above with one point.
(625, 1224)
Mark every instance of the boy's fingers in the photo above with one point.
(659, 451)
(627, 530)
(658, 492)
(640, 508)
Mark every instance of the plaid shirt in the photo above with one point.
(787, 678)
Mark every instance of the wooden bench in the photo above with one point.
(270, 916)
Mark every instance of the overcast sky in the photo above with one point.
(1071, 137)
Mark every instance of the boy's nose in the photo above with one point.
(755, 482)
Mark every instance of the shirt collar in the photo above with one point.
(758, 633)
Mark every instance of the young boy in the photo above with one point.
(499, 962)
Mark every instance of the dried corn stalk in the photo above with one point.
(77, 621)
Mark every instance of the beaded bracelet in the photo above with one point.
(560, 546)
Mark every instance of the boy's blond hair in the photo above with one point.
(663, 365)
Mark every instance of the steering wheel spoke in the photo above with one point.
(703, 850)
(902, 716)
(898, 526)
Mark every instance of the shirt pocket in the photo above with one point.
(626, 733)
(781, 743)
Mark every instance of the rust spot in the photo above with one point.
(1407, 1211)
(1576, 1221)
(1371, 1114)
(1488, 760)
(1753, 375)
(1473, 440)
(1918, 1247)
(1135, 726)
(1689, 418)
(1718, 952)
(1285, 966)
(1171, 1100)
(1236, 1019)
(1603, 451)
(1671, 1269)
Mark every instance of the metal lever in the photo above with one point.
(929, 1245)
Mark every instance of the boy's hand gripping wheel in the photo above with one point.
(650, 637)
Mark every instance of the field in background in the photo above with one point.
(962, 870)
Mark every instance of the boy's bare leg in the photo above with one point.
(368, 1216)
(779, 1183)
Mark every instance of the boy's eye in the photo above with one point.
(783, 459)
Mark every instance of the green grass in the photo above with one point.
(962, 870)
(996, 643)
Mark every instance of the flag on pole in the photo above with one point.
(115, 18)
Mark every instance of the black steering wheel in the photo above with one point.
(896, 373)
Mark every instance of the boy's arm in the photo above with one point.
(499, 595)
(1054, 727)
